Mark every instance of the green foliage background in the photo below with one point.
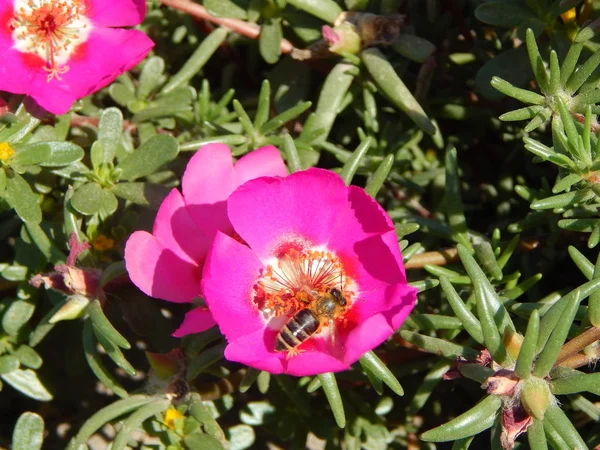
(475, 127)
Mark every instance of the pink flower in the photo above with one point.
(58, 51)
(167, 264)
(306, 242)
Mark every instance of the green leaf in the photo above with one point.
(506, 13)
(454, 206)
(150, 78)
(512, 66)
(284, 117)
(201, 441)
(332, 95)
(225, 8)
(43, 243)
(577, 383)
(584, 264)
(19, 196)
(199, 58)
(548, 355)
(522, 95)
(581, 75)
(332, 392)
(240, 437)
(563, 200)
(327, 10)
(28, 433)
(393, 87)
(145, 194)
(105, 415)
(355, 160)
(528, 349)
(469, 321)
(110, 129)
(31, 154)
(248, 379)
(114, 352)
(91, 198)
(474, 421)
(264, 104)
(28, 357)
(203, 361)
(291, 153)
(8, 363)
(372, 362)
(379, 176)
(104, 326)
(149, 157)
(61, 153)
(269, 41)
(96, 364)
(27, 382)
(16, 316)
(438, 346)
(413, 47)
(564, 427)
(536, 62)
(485, 289)
(594, 300)
(527, 112)
(135, 420)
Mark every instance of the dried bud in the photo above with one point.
(503, 383)
(165, 365)
(536, 397)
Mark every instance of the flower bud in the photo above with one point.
(342, 39)
(536, 397)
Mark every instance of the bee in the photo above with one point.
(307, 322)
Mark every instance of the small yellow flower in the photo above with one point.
(103, 243)
(569, 16)
(171, 415)
(6, 151)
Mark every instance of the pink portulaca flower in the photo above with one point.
(167, 264)
(58, 51)
(313, 279)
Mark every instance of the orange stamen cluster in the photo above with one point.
(51, 29)
(289, 284)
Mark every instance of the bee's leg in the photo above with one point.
(293, 352)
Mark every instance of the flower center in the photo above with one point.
(294, 280)
(50, 29)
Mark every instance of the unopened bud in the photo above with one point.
(536, 397)
(74, 308)
(165, 365)
(342, 39)
(512, 342)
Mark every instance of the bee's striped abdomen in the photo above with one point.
(297, 330)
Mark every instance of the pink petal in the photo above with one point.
(357, 219)
(371, 333)
(313, 363)
(256, 350)
(302, 206)
(197, 320)
(158, 272)
(106, 54)
(207, 182)
(121, 13)
(230, 272)
(208, 177)
(262, 162)
(175, 230)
